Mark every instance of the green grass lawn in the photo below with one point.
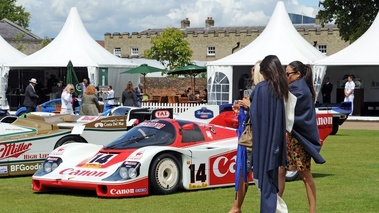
(347, 182)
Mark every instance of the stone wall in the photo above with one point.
(224, 39)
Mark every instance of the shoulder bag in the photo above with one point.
(246, 138)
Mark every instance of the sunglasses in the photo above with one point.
(72, 89)
(289, 73)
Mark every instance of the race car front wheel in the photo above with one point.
(164, 175)
(69, 139)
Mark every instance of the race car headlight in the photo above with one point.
(47, 167)
(54, 166)
(132, 172)
(51, 164)
(127, 170)
(123, 172)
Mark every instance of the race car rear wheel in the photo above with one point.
(164, 175)
(69, 139)
(291, 176)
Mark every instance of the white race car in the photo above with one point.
(26, 142)
(157, 156)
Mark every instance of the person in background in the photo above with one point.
(84, 85)
(139, 94)
(187, 92)
(191, 96)
(205, 94)
(243, 160)
(303, 142)
(90, 104)
(267, 113)
(41, 91)
(31, 97)
(129, 97)
(110, 95)
(66, 100)
(242, 84)
(349, 92)
(51, 82)
(326, 90)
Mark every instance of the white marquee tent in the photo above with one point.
(74, 43)
(8, 54)
(359, 59)
(279, 38)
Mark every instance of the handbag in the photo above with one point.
(246, 138)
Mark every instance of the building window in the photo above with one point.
(134, 51)
(218, 89)
(211, 51)
(322, 48)
(117, 51)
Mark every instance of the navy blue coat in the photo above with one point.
(269, 142)
(305, 128)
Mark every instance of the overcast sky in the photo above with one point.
(102, 16)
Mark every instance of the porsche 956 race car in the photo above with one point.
(157, 156)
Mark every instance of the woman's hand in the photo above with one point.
(245, 103)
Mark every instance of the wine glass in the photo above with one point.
(236, 106)
(246, 93)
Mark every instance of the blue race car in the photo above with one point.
(48, 106)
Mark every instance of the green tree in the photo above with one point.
(45, 42)
(16, 14)
(352, 17)
(170, 49)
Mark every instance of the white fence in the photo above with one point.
(177, 107)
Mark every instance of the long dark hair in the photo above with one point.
(306, 73)
(272, 70)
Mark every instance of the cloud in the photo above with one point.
(101, 16)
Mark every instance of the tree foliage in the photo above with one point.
(45, 42)
(352, 17)
(16, 14)
(170, 49)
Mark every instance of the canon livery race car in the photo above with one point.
(340, 112)
(26, 142)
(157, 156)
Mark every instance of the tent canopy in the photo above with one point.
(72, 43)
(364, 51)
(279, 38)
(8, 53)
(359, 59)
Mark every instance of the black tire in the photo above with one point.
(69, 139)
(291, 176)
(164, 174)
(335, 129)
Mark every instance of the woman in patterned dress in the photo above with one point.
(303, 141)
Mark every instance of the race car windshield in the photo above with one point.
(149, 133)
(121, 111)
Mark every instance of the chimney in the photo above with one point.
(209, 22)
(318, 19)
(185, 23)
